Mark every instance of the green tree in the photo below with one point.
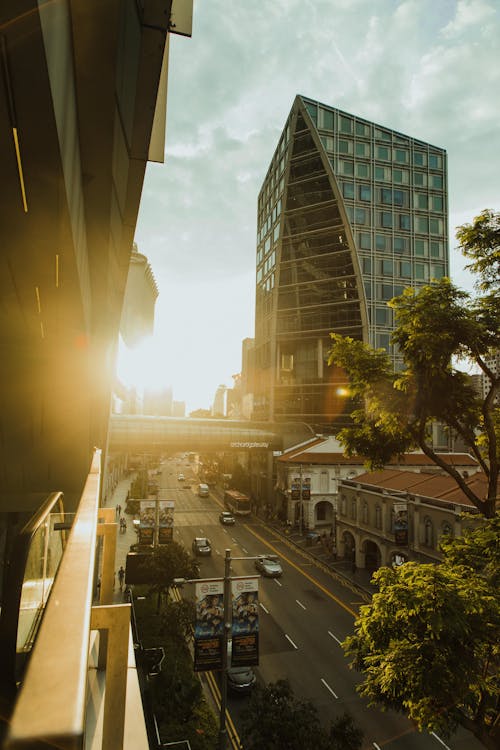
(428, 643)
(165, 563)
(436, 328)
(277, 720)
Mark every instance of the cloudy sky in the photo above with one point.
(428, 68)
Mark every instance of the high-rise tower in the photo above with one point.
(349, 214)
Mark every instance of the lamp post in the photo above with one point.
(227, 627)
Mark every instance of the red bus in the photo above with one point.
(237, 503)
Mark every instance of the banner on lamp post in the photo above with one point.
(147, 521)
(165, 521)
(245, 627)
(209, 625)
(401, 523)
(306, 488)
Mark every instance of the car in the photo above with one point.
(269, 566)
(201, 546)
(181, 478)
(226, 518)
(239, 679)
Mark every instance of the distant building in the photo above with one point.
(349, 214)
(141, 292)
(247, 377)
(158, 402)
(179, 409)
(219, 404)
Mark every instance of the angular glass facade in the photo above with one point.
(349, 214)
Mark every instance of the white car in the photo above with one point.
(181, 478)
(269, 566)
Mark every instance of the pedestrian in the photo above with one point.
(121, 577)
(334, 551)
(117, 510)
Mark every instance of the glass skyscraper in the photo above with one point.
(349, 214)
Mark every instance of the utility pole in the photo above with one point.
(301, 508)
(227, 628)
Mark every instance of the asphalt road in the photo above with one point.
(304, 616)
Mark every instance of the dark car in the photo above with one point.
(269, 566)
(226, 518)
(201, 546)
(239, 679)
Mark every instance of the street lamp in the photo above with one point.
(178, 582)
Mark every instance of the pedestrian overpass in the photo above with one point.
(137, 433)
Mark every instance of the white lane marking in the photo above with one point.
(329, 688)
(277, 582)
(265, 610)
(440, 740)
(300, 604)
(334, 637)
(245, 550)
(377, 747)
(289, 639)
(234, 540)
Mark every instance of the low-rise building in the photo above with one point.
(308, 477)
(391, 516)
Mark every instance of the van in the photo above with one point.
(203, 490)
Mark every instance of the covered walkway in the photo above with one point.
(137, 432)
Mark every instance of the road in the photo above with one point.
(305, 616)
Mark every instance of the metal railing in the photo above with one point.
(81, 674)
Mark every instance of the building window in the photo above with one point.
(360, 216)
(345, 124)
(437, 271)
(362, 149)
(435, 161)
(313, 111)
(446, 529)
(383, 341)
(436, 249)
(385, 219)
(348, 190)
(437, 202)
(367, 265)
(400, 244)
(327, 141)
(365, 193)
(401, 155)
(345, 147)
(421, 271)
(362, 129)
(428, 533)
(353, 510)
(401, 176)
(381, 242)
(327, 117)
(343, 506)
(400, 198)
(347, 167)
(387, 291)
(420, 158)
(386, 196)
(436, 181)
(404, 221)
(405, 269)
(421, 200)
(383, 153)
(436, 226)
(422, 248)
(365, 513)
(378, 517)
(383, 173)
(387, 267)
(381, 316)
(365, 241)
(420, 179)
(422, 224)
(362, 170)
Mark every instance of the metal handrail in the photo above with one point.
(9, 621)
(51, 704)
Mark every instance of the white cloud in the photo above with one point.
(426, 68)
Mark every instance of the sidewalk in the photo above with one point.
(123, 540)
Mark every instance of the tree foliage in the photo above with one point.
(276, 719)
(436, 329)
(428, 643)
(165, 563)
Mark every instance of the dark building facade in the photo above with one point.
(349, 214)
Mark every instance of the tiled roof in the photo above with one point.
(434, 486)
(410, 459)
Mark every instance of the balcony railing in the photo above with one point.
(80, 689)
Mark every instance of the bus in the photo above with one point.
(237, 503)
